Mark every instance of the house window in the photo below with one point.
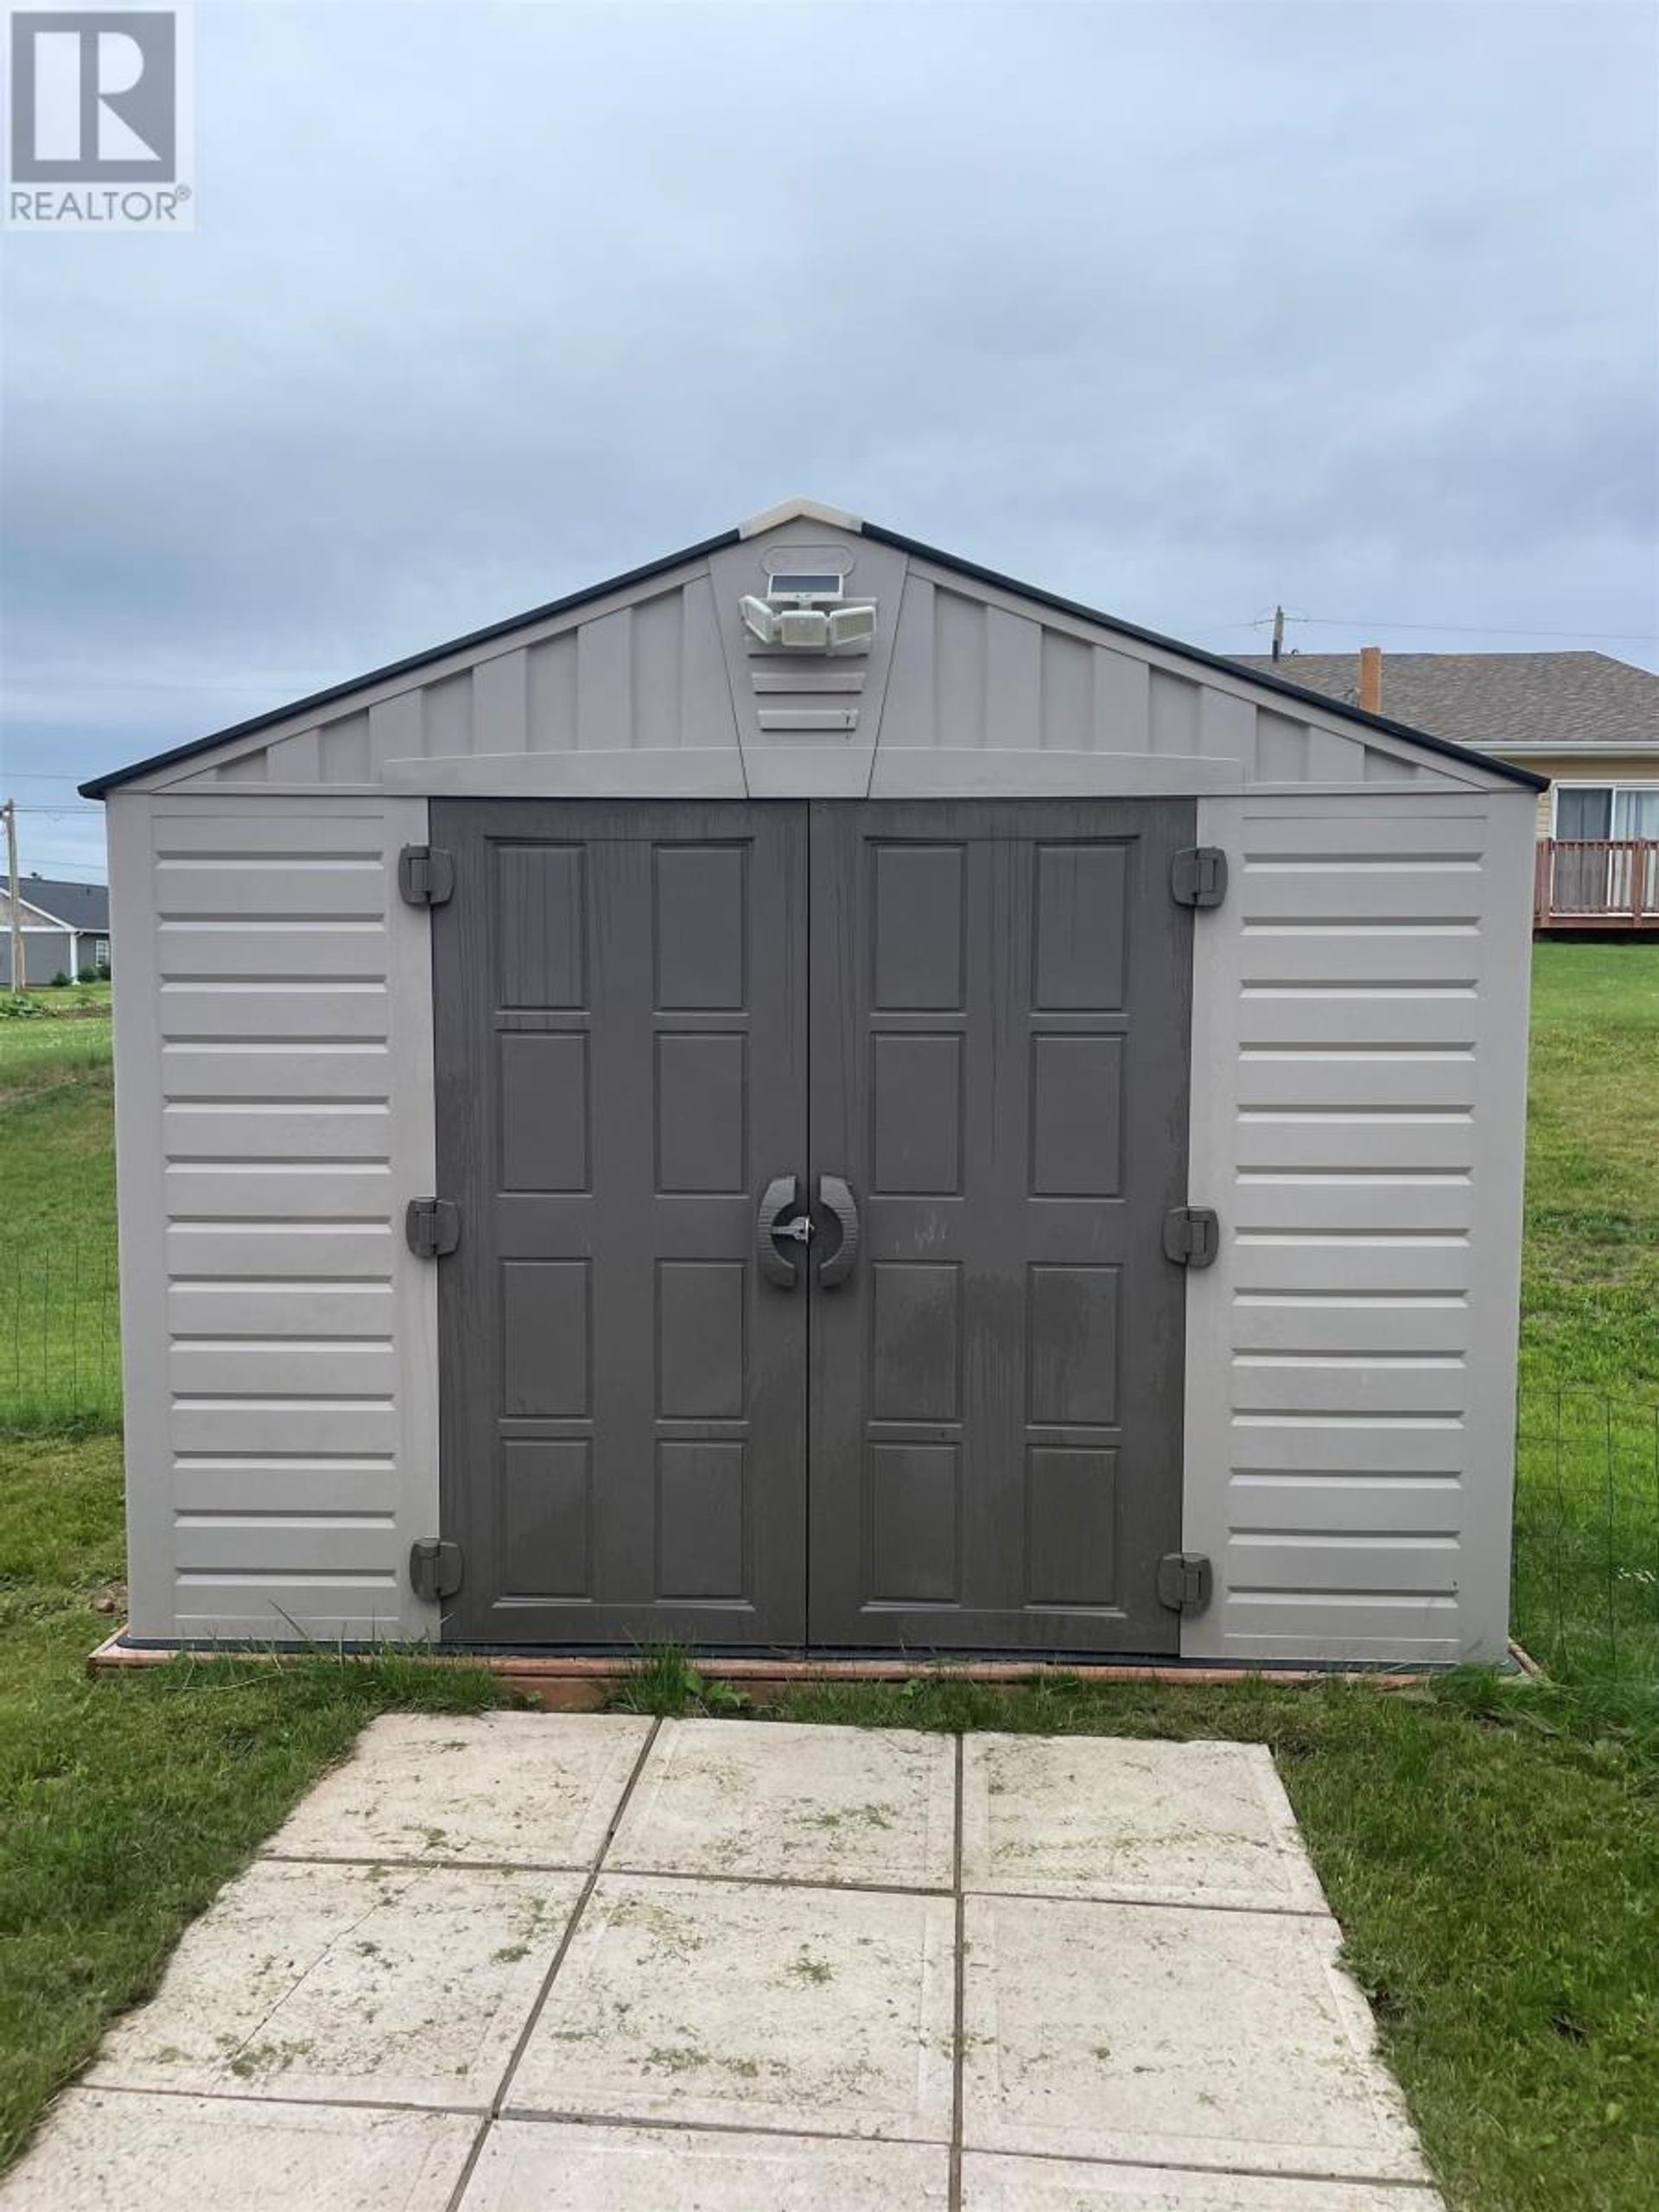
(101, 951)
(1636, 811)
(1603, 811)
(1584, 811)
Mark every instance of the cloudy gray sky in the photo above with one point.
(1179, 309)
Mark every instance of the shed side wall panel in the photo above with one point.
(274, 1071)
(1358, 1085)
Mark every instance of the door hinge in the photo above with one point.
(426, 874)
(1197, 876)
(1185, 1581)
(434, 1568)
(1192, 1236)
(432, 1227)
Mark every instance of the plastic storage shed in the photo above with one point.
(813, 1097)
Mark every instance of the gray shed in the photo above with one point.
(812, 1097)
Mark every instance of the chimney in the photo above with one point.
(1370, 679)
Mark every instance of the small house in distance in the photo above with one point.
(65, 931)
(812, 1098)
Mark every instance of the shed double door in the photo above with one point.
(812, 1160)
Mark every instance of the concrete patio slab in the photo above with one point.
(1011, 2184)
(199, 2154)
(542, 2166)
(875, 1806)
(1162, 2036)
(398, 1986)
(1093, 1816)
(828, 2010)
(743, 1991)
(503, 1788)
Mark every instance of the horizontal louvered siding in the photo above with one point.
(1358, 1079)
(276, 1092)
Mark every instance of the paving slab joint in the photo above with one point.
(573, 1922)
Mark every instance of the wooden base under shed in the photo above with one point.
(583, 1685)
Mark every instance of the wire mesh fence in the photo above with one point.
(1585, 1576)
(1584, 1595)
(60, 1337)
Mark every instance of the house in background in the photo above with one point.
(66, 929)
(1587, 722)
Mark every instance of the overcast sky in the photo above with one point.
(1178, 309)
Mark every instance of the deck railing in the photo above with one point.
(1597, 883)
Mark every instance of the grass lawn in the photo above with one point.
(69, 1034)
(1491, 1849)
(124, 1804)
(1591, 1295)
(1586, 1587)
(59, 1345)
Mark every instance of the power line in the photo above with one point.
(22, 682)
(1461, 629)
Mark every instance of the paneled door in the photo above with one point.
(812, 1162)
(1001, 998)
(621, 1068)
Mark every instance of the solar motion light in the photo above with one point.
(804, 611)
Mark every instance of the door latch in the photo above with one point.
(1185, 1581)
(435, 1568)
(1192, 1236)
(782, 1196)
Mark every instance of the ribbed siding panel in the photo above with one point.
(1350, 1356)
(282, 1402)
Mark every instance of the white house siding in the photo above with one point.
(276, 1089)
(1358, 1088)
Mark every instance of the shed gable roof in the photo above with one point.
(965, 662)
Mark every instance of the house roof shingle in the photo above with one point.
(1481, 699)
(78, 906)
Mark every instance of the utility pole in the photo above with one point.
(1278, 632)
(18, 979)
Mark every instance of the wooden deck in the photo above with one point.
(1597, 883)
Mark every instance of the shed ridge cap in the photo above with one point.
(798, 508)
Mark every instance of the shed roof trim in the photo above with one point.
(789, 512)
(798, 510)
